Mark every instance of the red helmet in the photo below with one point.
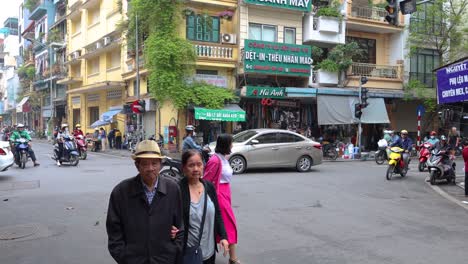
(433, 133)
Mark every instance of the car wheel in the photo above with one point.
(304, 164)
(238, 164)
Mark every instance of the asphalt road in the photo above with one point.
(341, 212)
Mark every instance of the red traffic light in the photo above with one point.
(138, 106)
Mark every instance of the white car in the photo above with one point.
(6, 156)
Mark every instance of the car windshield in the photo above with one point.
(243, 136)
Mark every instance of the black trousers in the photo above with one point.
(30, 152)
(111, 142)
(118, 142)
(211, 260)
(466, 181)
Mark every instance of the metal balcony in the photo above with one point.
(376, 71)
(39, 11)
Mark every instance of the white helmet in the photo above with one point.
(190, 128)
(64, 125)
(20, 126)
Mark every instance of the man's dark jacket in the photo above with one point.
(219, 229)
(139, 233)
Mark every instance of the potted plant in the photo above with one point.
(226, 14)
(188, 11)
(327, 72)
(329, 19)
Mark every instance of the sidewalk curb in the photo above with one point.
(444, 194)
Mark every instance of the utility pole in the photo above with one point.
(362, 104)
(137, 61)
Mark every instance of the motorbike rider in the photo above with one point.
(63, 133)
(78, 131)
(189, 142)
(433, 140)
(19, 133)
(405, 143)
(444, 148)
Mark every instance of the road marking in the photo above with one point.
(445, 195)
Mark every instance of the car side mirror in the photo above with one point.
(254, 142)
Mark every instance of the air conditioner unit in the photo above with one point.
(98, 45)
(229, 38)
(106, 41)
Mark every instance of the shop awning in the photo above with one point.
(231, 112)
(339, 110)
(22, 105)
(106, 118)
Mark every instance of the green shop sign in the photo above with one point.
(276, 58)
(265, 92)
(300, 5)
(236, 115)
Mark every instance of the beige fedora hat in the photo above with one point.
(147, 149)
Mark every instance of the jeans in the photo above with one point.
(406, 159)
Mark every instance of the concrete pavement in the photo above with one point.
(340, 212)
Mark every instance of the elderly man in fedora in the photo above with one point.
(143, 213)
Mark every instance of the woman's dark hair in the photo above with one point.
(223, 144)
(188, 154)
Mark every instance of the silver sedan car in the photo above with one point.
(267, 148)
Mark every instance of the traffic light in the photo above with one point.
(358, 111)
(408, 7)
(364, 97)
(392, 9)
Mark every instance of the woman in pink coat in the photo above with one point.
(219, 172)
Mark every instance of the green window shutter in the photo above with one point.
(199, 28)
(215, 30)
(190, 27)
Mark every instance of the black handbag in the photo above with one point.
(194, 255)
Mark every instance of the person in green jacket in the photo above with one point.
(17, 134)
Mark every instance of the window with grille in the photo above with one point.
(203, 28)
(93, 114)
(93, 97)
(115, 94)
(422, 63)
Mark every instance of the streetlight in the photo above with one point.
(49, 50)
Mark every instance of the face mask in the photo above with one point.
(194, 133)
(432, 137)
(66, 129)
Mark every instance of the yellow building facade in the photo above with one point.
(94, 80)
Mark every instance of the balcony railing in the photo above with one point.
(376, 71)
(215, 52)
(371, 13)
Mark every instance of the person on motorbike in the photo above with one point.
(189, 142)
(62, 134)
(433, 140)
(405, 143)
(444, 148)
(18, 134)
(78, 131)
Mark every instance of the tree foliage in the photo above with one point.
(170, 59)
(440, 26)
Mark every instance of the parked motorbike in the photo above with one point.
(21, 152)
(441, 166)
(82, 145)
(381, 154)
(424, 155)
(329, 150)
(396, 164)
(173, 168)
(70, 152)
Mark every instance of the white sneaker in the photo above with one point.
(59, 164)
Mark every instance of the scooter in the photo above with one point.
(396, 164)
(441, 166)
(175, 166)
(424, 155)
(330, 150)
(82, 145)
(70, 153)
(381, 154)
(22, 152)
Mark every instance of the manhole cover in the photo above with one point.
(19, 185)
(18, 231)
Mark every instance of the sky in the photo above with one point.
(8, 8)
